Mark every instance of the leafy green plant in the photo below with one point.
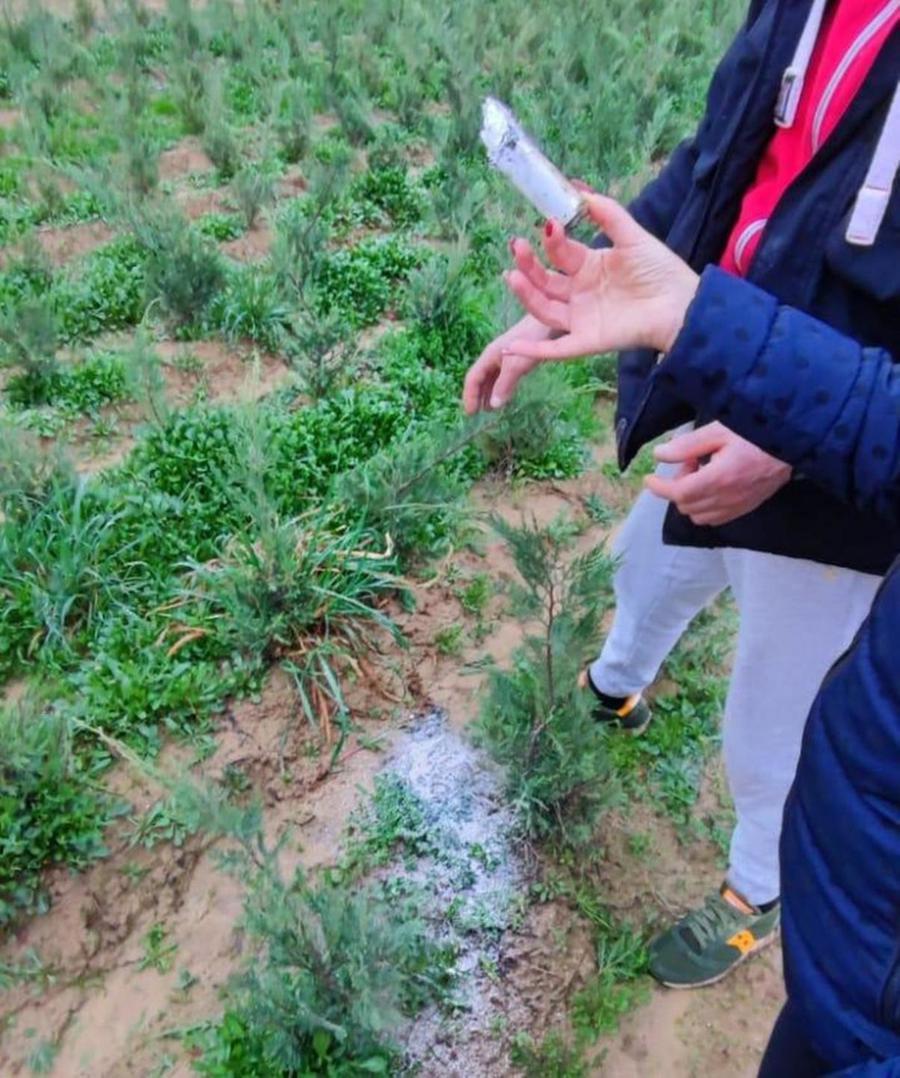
(394, 822)
(476, 594)
(618, 986)
(362, 281)
(161, 823)
(449, 641)
(105, 292)
(85, 387)
(391, 194)
(220, 226)
(49, 811)
(159, 954)
(535, 719)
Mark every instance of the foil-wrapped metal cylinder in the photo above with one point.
(512, 151)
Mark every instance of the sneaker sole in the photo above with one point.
(760, 945)
(635, 731)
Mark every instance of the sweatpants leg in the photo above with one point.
(658, 589)
(796, 618)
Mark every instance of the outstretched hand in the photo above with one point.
(632, 294)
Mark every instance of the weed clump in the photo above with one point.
(409, 492)
(250, 308)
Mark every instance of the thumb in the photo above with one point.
(614, 220)
(690, 446)
(512, 371)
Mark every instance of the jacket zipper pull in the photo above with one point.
(795, 73)
(789, 96)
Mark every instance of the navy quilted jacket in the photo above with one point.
(831, 407)
(803, 259)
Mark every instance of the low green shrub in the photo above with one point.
(28, 341)
(253, 189)
(409, 492)
(49, 812)
(183, 270)
(292, 121)
(334, 969)
(539, 438)
(536, 720)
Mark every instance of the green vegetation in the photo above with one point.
(536, 720)
(48, 811)
(552, 1058)
(334, 969)
(666, 763)
(232, 537)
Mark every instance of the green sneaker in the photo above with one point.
(709, 943)
(633, 717)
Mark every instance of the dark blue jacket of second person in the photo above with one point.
(830, 407)
(803, 259)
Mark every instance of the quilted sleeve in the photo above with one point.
(793, 386)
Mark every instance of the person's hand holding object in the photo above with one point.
(633, 294)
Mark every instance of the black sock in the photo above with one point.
(614, 703)
(764, 907)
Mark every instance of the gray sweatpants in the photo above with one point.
(796, 617)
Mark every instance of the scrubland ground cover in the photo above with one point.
(247, 252)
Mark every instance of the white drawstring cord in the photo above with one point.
(873, 197)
